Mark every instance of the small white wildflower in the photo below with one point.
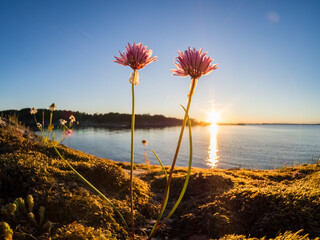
(62, 122)
(39, 125)
(33, 111)
(72, 119)
(52, 107)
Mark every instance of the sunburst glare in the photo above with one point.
(213, 117)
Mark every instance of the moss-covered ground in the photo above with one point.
(225, 204)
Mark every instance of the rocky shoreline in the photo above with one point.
(219, 204)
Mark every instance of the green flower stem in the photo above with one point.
(50, 125)
(166, 201)
(163, 169)
(166, 192)
(186, 181)
(154, 229)
(42, 118)
(51, 113)
(35, 119)
(132, 160)
(92, 187)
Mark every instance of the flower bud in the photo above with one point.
(52, 107)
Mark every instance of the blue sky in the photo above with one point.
(63, 52)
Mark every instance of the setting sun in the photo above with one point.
(213, 117)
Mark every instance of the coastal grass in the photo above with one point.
(27, 166)
(218, 204)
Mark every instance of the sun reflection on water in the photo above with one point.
(213, 149)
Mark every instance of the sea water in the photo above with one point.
(228, 146)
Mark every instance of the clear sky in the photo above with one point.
(63, 51)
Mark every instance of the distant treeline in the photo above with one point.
(117, 120)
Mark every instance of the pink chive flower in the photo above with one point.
(193, 63)
(136, 57)
(69, 132)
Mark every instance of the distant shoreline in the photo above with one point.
(119, 120)
(106, 120)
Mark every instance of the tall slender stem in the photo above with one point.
(50, 124)
(35, 119)
(183, 191)
(51, 113)
(92, 187)
(42, 118)
(132, 161)
(165, 196)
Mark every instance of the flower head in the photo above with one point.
(72, 119)
(144, 142)
(62, 122)
(52, 107)
(69, 132)
(39, 125)
(33, 111)
(193, 63)
(136, 56)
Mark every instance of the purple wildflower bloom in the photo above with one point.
(136, 56)
(195, 64)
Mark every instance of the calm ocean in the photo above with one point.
(245, 146)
